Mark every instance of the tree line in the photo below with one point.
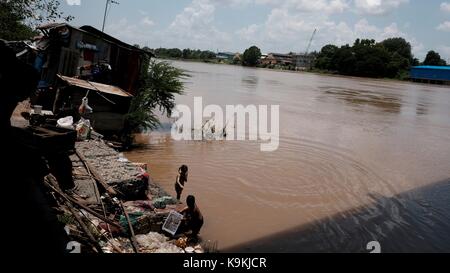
(390, 58)
(188, 54)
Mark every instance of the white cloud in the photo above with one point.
(135, 33)
(249, 33)
(445, 26)
(287, 27)
(232, 3)
(328, 6)
(73, 2)
(445, 6)
(196, 25)
(147, 21)
(378, 7)
(289, 30)
(444, 51)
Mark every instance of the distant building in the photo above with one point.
(303, 61)
(277, 59)
(225, 55)
(431, 74)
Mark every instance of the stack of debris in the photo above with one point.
(114, 206)
(106, 203)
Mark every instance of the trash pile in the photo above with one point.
(124, 212)
(106, 203)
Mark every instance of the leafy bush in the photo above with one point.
(157, 92)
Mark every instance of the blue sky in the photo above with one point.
(273, 25)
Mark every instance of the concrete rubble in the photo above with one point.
(115, 170)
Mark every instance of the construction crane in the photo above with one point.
(302, 59)
(310, 41)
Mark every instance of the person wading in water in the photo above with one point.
(181, 180)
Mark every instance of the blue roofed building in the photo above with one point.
(431, 74)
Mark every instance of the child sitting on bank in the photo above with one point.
(192, 218)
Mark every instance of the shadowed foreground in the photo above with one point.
(414, 221)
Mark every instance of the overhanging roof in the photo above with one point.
(112, 39)
(52, 25)
(96, 32)
(95, 86)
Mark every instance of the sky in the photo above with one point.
(272, 25)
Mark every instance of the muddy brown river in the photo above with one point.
(359, 160)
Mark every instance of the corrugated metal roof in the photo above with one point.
(96, 32)
(104, 88)
(432, 67)
(51, 25)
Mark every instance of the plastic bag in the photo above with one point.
(84, 107)
(66, 122)
(83, 128)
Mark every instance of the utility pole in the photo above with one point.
(108, 2)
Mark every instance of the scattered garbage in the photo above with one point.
(156, 243)
(107, 224)
(172, 223)
(182, 242)
(162, 202)
(189, 249)
(66, 123)
(84, 107)
(122, 158)
(83, 128)
(37, 109)
(133, 219)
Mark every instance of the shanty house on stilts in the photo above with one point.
(85, 62)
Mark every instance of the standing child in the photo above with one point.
(181, 180)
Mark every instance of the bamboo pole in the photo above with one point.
(130, 226)
(86, 208)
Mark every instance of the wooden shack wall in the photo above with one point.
(106, 117)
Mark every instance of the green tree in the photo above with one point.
(345, 60)
(147, 49)
(433, 58)
(401, 57)
(371, 58)
(18, 17)
(390, 58)
(251, 56)
(157, 92)
(325, 57)
(399, 46)
(187, 53)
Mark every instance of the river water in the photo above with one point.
(359, 160)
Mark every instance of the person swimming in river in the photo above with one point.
(192, 218)
(181, 180)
